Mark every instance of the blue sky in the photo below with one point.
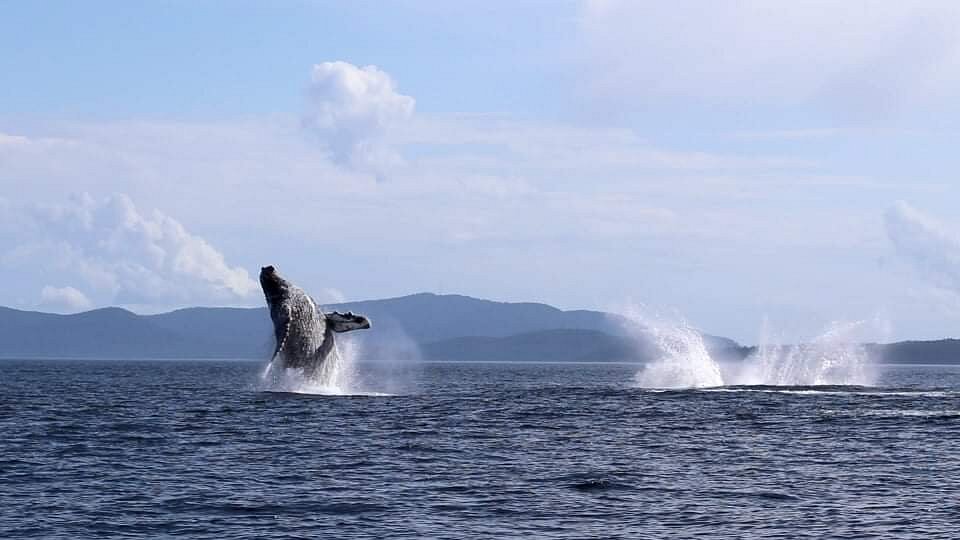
(186, 59)
(780, 165)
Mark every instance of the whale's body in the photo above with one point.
(304, 333)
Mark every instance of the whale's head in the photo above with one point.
(345, 322)
(275, 288)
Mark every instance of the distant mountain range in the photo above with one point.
(426, 326)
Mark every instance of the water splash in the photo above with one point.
(835, 357)
(681, 358)
(682, 361)
(336, 375)
(333, 377)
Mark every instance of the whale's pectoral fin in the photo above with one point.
(345, 322)
(281, 329)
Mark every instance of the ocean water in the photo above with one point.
(110, 449)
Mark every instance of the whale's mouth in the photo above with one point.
(274, 287)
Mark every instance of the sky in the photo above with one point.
(744, 166)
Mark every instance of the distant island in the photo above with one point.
(423, 326)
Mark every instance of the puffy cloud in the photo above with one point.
(63, 299)
(121, 254)
(928, 244)
(350, 109)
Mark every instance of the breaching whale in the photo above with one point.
(304, 333)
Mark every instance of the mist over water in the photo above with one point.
(385, 360)
(683, 360)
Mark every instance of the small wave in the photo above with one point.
(275, 508)
(798, 390)
(595, 485)
(588, 482)
(770, 495)
(903, 413)
(422, 448)
(833, 390)
(322, 392)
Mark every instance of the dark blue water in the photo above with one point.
(194, 450)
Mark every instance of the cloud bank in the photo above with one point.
(857, 55)
(927, 244)
(119, 254)
(63, 299)
(350, 109)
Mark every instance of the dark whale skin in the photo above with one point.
(304, 334)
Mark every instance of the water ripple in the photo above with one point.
(193, 450)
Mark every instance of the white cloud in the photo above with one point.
(929, 245)
(10, 140)
(121, 254)
(328, 295)
(481, 196)
(476, 177)
(858, 54)
(495, 186)
(351, 109)
(63, 299)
